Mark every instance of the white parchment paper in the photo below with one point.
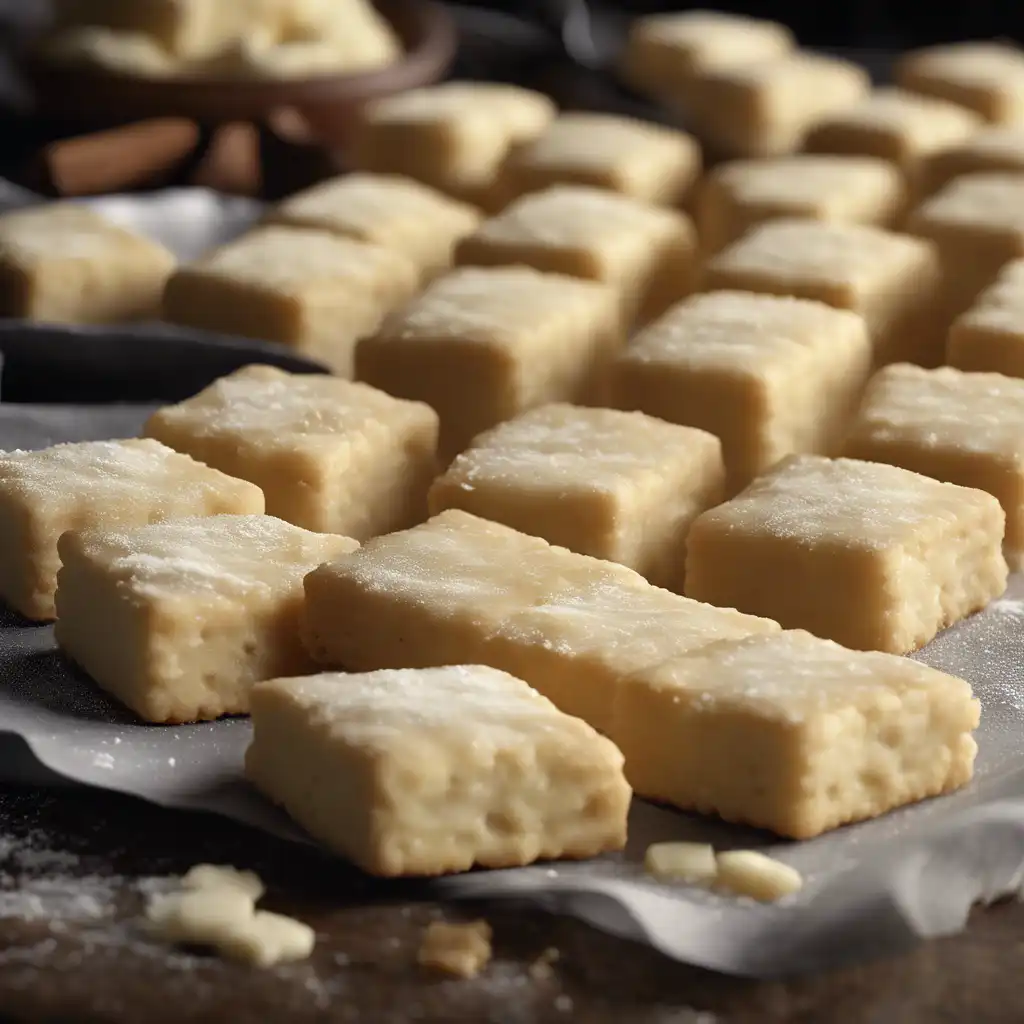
(871, 889)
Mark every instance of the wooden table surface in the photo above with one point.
(75, 864)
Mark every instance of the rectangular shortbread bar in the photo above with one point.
(179, 619)
(385, 209)
(620, 154)
(848, 189)
(986, 77)
(432, 771)
(902, 127)
(330, 455)
(976, 224)
(484, 344)
(995, 148)
(666, 54)
(114, 484)
(794, 734)
(990, 335)
(767, 374)
(453, 136)
(616, 485)
(871, 556)
(893, 281)
(965, 428)
(768, 107)
(460, 589)
(312, 290)
(61, 263)
(647, 253)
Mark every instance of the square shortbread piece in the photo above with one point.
(436, 770)
(61, 263)
(330, 455)
(482, 345)
(849, 189)
(452, 136)
(795, 734)
(990, 335)
(311, 290)
(388, 210)
(581, 647)
(666, 53)
(977, 226)
(996, 148)
(435, 594)
(987, 78)
(767, 108)
(647, 253)
(902, 127)
(117, 484)
(201, 609)
(616, 485)
(621, 154)
(767, 374)
(893, 281)
(965, 428)
(872, 556)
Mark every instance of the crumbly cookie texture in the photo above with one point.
(794, 734)
(216, 906)
(769, 375)
(113, 484)
(964, 428)
(989, 336)
(436, 770)
(616, 485)
(201, 608)
(460, 589)
(875, 557)
(893, 281)
(63, 263)
(330, 455)
(460, 949)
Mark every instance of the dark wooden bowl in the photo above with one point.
(71, 92)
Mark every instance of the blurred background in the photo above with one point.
(56, 152)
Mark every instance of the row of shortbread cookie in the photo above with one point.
(747, 89)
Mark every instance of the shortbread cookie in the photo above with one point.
(767, 374)
(902, 127)
(312, 290)
(63, 263)
(581, 645)
(995, 148)
(893, 281)
(621, 154)
(114, 484)
(985, 77)
(965, 428)
(795, 734)
(871, 556)
(990, 335)
(452, 136)
(847, 189)
(179, 619)
(767, 108)
(433, 771)
(666, 54)
(977, 226)
(648, 254)
(616, 485)
(395, 212)
(482, 345)
(461, 589)
(435, 594)
(330, 455)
